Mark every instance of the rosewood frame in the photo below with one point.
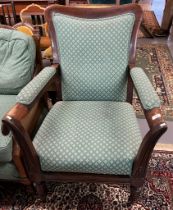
(12, 121)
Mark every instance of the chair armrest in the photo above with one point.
(144, 88)
(37, 85)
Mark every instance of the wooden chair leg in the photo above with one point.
(41, 190)
(133, 194)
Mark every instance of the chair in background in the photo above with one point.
(92, 135)
(20, 60)
(34, 14)
(8, 13)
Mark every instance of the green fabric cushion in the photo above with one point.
(88, 136)
(8, 171)
(144, 88)
(6, 102)
(17, 59)
(33, 88)
(93, 56)
(109, 1)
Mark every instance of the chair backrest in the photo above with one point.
(17, 60)
(8, 13)
(34, 14)
(93, 47)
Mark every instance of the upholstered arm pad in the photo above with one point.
(28, 94)
(144, 88)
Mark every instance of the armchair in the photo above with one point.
(19, 61)
(92, 134)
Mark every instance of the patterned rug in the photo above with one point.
(157, 62)
(156, 193)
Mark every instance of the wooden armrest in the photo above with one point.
(154, 118)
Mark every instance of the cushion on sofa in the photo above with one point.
(8, 171)
(17, 59)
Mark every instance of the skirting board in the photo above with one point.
(166, 147)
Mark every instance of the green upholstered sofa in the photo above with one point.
(17, 67)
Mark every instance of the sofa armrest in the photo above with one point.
(144, 88)
(34, 88)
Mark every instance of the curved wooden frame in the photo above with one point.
(12, 121)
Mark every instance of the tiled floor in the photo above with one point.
(158, 7)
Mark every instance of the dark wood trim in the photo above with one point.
(24, 141)
(129, 97)
(146, 148)
(16, 154)
(85, 177)
(157, 127)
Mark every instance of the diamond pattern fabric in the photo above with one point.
(6, 102)
(144, 88)
(33, 88)
(17, 60)
(88, 136)
(93, 56)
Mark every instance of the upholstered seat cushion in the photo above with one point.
(17, 60)
(6, 102)
(88, 136)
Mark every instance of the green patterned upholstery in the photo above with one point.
(17, 59)
(93, 56)
(144, 88)
(33, 88)
(88, 136)
(6, 102)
